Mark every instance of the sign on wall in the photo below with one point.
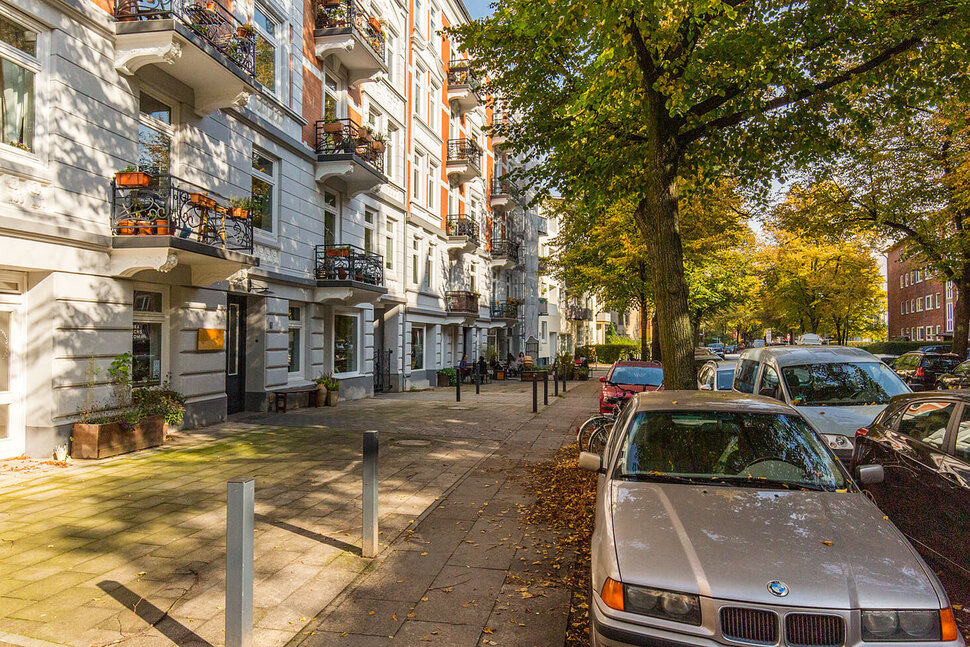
(211, 339)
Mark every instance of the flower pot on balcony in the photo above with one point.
(132, 179)
(338, 251)
(379, 147)
(161, 227)
(333, 127)
(146, 227)
(126, 227)
(364, 135)
(245, 31)
(239, 212)
(375, 24)
(210, 6)
(359, 276)
(202, 200)
(341, 274)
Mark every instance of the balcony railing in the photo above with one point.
(212, 21)
(464, 151)
(505, 248)
(169, 206)
(503, 187)
(349, 263)
(575, 312)
(346, 15)
(460, 74)
(462, 302)
(505, 310)
(346, 137)
(460, 224)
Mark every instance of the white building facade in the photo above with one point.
(311, 190)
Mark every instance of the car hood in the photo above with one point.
(840, 420)
(833, 550)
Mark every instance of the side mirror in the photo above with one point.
(706, 387)
(603, 379)
(590, 462)
(871, 474)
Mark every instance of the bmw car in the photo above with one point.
(724, 519)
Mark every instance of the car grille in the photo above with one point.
(811, 630)
(749, 625)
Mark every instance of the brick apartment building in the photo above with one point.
(920, 305)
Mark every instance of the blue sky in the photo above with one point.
(478, 8)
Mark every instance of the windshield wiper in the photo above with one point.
(660, 477)
(757, 481)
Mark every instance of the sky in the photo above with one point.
(478, 8)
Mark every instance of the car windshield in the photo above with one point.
(842, 384)
(940, 363)
(639, 375)
(725, 379)
(726, 448)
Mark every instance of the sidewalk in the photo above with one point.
(131, 550)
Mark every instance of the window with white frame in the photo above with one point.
(543, 330)
(19, 68)
(919, 305)
(155, 134)
(473, 277)
(389, 245)
(432, 184)
(420, 159)
(434, 111)
(294, 347)
(900, 280)
(949, 317)
(937, 300)
(902, 308)
(938, 330)
(345, 343)
(268, 49)
(949, 290)
(919, 333)
(370, 218)
(419, 20)
(391, 163)
(147, 335)
(417, 348)
(420, 98)
(907, 279)
(415, 246)
(929, 332)
(912, 305)
(330, 218)
(429, 268)
(264, 189)
(929, 301)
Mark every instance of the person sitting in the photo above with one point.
(464, 369)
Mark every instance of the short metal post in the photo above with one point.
(555, 380)
(239, 562)
(535, 394)
(545, 388)
(563, 378)
(458, 384)
(478, 379)
(369, 544)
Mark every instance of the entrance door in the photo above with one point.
(12, 439)
(236, 354)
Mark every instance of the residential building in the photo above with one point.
(920, 305)
(317, 199)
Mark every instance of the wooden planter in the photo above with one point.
(499, 374)
(202, 200)
(333, 127)
(378, 147)
(340, 251)
(239, 212)
(101, 441)
(133, 179)
(244, 31)
(364, 136)
(443, 379)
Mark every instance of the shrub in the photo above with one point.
(451, 373)
(160, 401)
(609, 353)
(898, 347)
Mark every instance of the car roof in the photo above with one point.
(800, 355)
(708, 401)
(637, 362)
(926, 353)
(722, 364)
(962, 395)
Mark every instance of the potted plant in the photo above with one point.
(322, 390)
(447, 377)
(241, 207)
(246, 30)
(364, 134)
(60, 453)
(338, 251)
(333, 389)
(132, 177)
(333, 127)
(375, 25)
(22, 146)
(379, 144)
(202, 200)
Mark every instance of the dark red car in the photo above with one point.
(631, 375)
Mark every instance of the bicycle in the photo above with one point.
(593, 433)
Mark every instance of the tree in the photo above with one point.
(628, 97)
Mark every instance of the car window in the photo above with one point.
(744, 376)
(926, 421)
(842, 383)
(725, 378)
(707, 377)
(769, 382)
(940, 363)
(639, 375)
(962, 369)
(962, 449)
(620, 423)
(891, 416)
(904, 362)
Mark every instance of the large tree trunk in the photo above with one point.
(655, 354)
(961, 313)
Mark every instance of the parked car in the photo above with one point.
(837, 388)
(626, 376)
(935, 348)
(716, 375)
(722, 518)
(702, 355)
(888, 360)
(809, 339)
(922, 441)
(958, 378)
(717, 348)
(920, 370)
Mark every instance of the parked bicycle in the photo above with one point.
(593, 433)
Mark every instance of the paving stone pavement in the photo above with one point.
(131, 550)
(470, 572)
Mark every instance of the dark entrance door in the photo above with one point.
(236, 354)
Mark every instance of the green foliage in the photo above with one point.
(160, 401)
(328, 381)
(897, 347)
(451, 373)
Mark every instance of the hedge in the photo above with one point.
(609, 353)
(898, 347)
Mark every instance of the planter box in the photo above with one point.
(443, 380)
(202, 200)
(101, 441)
(332, 397)
(533, 376)
(134, 178)
(239, 212)
(499, 375)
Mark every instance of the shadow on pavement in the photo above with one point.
(309, 534)
(175, 631)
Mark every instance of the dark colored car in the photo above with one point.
(922, 442)
(958, 378)
(920, 370)
(629, 375)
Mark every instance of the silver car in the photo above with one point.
(837, 388)
(716, 375)
(723, 519)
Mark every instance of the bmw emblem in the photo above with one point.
(776, 588)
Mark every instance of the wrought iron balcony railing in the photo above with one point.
(460, 74)
(464, 151)
(575, 312)
(210, 19)
(505, 248)
(340, 15)
(168, 206)
(503, 187)
(349, 263)
(505, 310)
(460, 224)
(340, 137)
(461, 302)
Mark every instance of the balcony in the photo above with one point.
(348, 152)
(502, 195)
(171, 223)
(462, 86)
(499, 124)
(575, 312)
(505, 310)
(462, 233)
(462, 303)
(353, 37)
(543, 307)
(348, 274)
(505, 253)
(198, 42)
(464, 160)
(542, 226)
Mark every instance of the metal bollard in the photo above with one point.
(555, 381)
(458, 384)
(239, 562)
(478, 379)
(369, 543)
(564, 378)
(545, 388)
(535, 394)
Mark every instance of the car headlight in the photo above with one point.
(905, 625)
(657, 603)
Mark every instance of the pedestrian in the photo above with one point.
(482, 366)
(520, 360)
(464, 362)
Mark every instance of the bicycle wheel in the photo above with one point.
(597, 440)
(587, 429)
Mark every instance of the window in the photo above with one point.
(473, 273)
(329, 218)
(907, 279)
(146, 338)
(919, 305)
(929, 301)
(949, 316)
(420, 100)
(267, 46)
(432, 184)
(155, 134)
(912, 305)
(429, 269)
(419, 20)
(434, 112)
(543, 330)
(264, 179)
(369, 219)
(902, 308)
(414, 261)
(770, 383)
(344, 344)
(389, 246)
(919, 333)
(331, 99)
(391, 165)
(919, 276)
(962, 449)
(949, 290)
(18, 69)
(419, 162)
(900, 280)
(927, 422)
(937, 331)
(417, 348)
(295, 334)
